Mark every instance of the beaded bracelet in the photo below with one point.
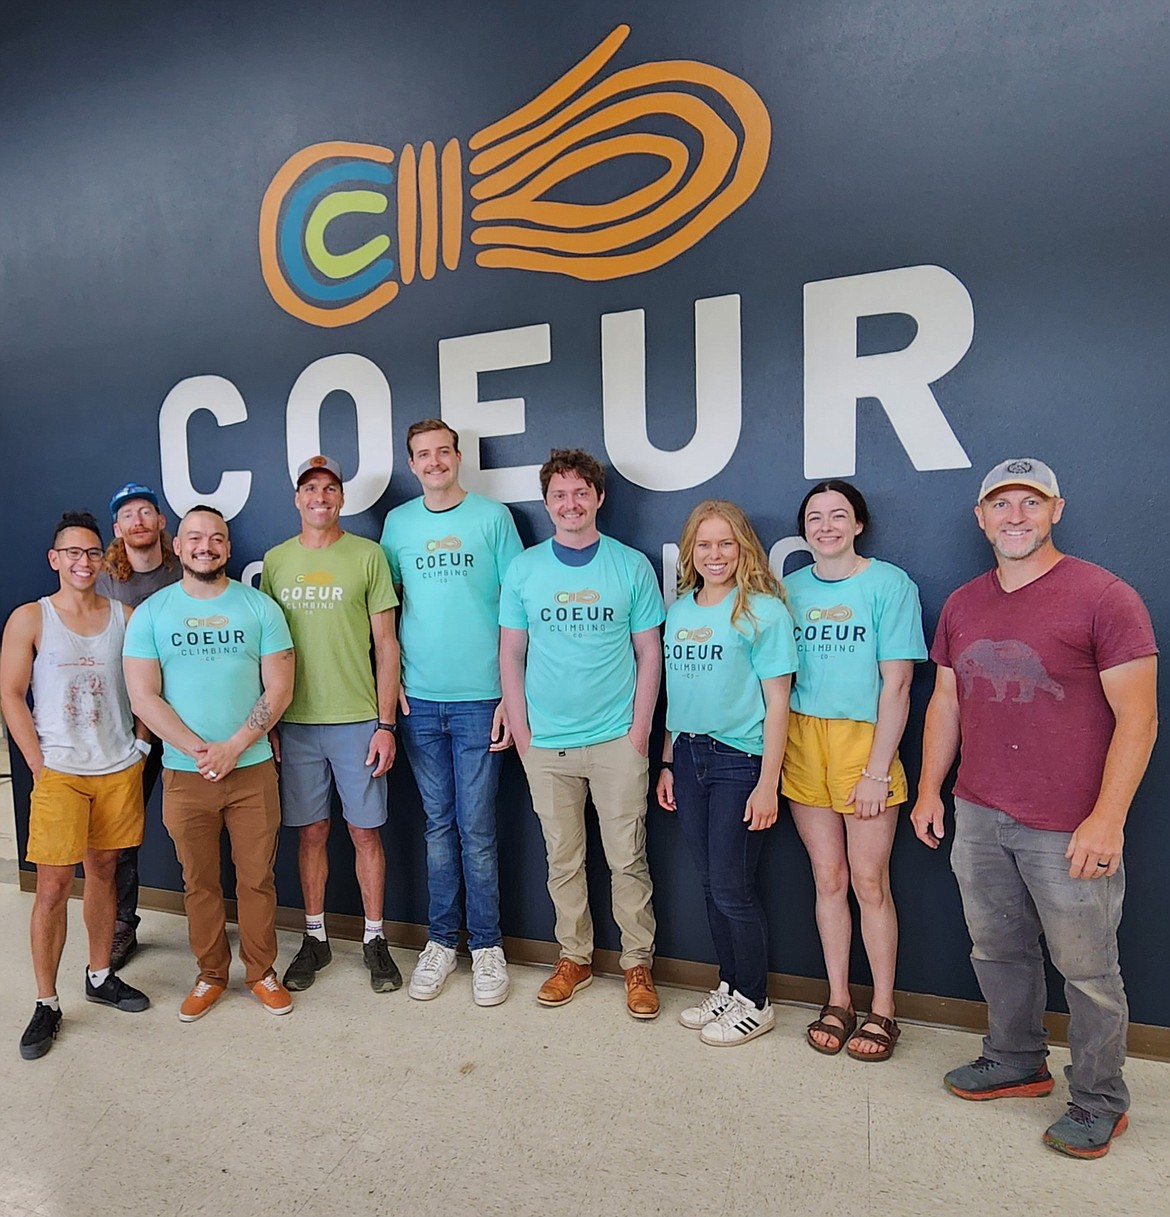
(876, 777)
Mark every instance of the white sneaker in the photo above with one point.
(435, 964)
(695, 1018)
(740, 1022)
(489, 976)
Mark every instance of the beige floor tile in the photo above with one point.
(361, 1103)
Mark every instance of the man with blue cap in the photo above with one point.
(140, 560)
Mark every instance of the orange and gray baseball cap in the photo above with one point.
(320, 464)
(1021, 471)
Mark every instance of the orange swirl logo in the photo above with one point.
(206, 623)
(839, 612)
(584, 596)
(449, 543)
(318, 578)
(574, 125)
(700, 635)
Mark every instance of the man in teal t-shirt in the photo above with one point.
(580, 663)
(338, 732)
(448, 551)
(209, 667)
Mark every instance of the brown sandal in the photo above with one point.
(886, 1038)
(840, 1034)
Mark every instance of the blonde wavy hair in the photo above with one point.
(753, 575)
(118, 564)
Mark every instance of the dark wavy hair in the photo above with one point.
(572, 461)
(855, 497)
(77, 519)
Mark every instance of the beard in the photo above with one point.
(206, 576)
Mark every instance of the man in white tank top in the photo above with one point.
(79, 743)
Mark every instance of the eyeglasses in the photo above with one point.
(74, 552)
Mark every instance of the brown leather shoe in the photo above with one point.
(566, 979)
(641, 996)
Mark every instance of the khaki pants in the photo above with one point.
(196, 812)
(616, 775)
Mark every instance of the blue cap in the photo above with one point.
(132, 490)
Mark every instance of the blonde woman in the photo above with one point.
(859, 634)
(730, 656)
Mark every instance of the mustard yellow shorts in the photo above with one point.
(823, 760)
(70, 813)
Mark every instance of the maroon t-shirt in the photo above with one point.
(1034, 719)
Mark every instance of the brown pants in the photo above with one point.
(196, 812)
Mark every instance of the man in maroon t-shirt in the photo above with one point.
(1046, 674)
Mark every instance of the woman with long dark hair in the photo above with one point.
(859, 634)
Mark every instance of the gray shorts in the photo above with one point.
(315, 758)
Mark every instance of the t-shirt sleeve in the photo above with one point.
(774, 649)
(266, 575)
(138, 642)
(380, 594)
(900, 633)
(507, 542)
(391, 553)
(1122, 630)
(512, 613)
(647, 610)
(274, 633)
(940, 652)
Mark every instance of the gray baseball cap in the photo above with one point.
(1021, 471)
(320, 464)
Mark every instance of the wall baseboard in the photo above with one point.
(1145, 1040)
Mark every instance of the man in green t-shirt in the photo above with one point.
(338, 732)
(580, 662)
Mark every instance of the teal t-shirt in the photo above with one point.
(714, 669)
(844, 628)
(209, 652)
(580, 675)
(450, 565)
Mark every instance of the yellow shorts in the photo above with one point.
(70, 813)
(823, 760)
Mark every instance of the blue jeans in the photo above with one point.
(1015, 886)
(447, 745)
(712, 783)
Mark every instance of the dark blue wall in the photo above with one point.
(1021, 148)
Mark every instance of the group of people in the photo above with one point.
(262, 704)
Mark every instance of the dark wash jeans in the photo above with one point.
(126, 872)
(712, 783)
(1015, 886)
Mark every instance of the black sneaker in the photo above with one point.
(384, 974)
(39, 1034)
(124, 945)
(308, 961)
(113, 991)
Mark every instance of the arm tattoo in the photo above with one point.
(260, 715)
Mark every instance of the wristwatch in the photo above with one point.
(391, 727)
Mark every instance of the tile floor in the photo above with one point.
(360, 1104)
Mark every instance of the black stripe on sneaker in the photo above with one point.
(746, 1026)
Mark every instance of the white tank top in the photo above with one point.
(80, 705)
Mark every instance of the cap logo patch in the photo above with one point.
(1020, 467)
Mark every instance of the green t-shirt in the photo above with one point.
(844, 629)
(580, 675)
(209, 652)
(714, 669)
(449, 565)
(328, 597)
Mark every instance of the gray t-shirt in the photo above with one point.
(140, 584)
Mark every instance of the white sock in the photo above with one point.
(373, 930)
(51, 1002)
(315, 926)
(98, 978)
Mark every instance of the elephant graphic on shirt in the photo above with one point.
(1004, 663)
